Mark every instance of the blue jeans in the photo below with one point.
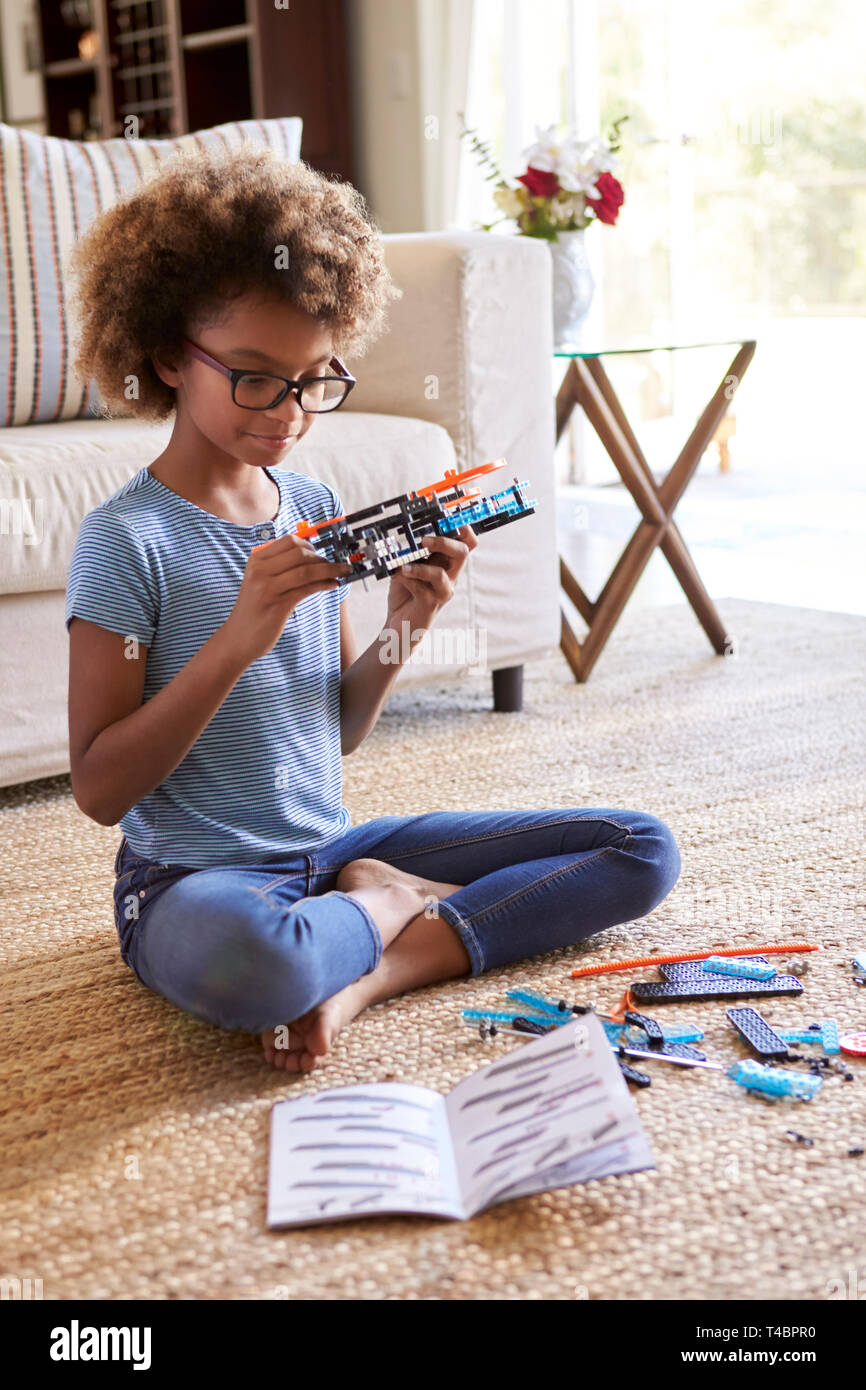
(251, 946)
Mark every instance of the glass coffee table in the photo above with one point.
(586, 384)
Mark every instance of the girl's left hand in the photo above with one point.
(428, 584)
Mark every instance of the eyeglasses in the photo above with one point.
(264, 390)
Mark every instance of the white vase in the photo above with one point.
(573, 287)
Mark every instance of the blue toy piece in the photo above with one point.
(473, 1015)
(505, 504)
(830, 1035)
(745, 969)
(542, 1004)
(772, 1081)
(683, 1035)
(827, 1034)
(694, 969)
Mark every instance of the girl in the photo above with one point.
(214, 678)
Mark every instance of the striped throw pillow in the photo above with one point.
(50, 189)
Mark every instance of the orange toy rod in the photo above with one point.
(609, 969)
(309, 528)
(461, 501)
(453, 478)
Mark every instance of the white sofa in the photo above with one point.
(462, 377)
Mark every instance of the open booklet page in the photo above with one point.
(631, 1154)
(544, 1114)
(537, 1107)
(356, 1150)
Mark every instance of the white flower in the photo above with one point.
(545, 153)
(576, 163)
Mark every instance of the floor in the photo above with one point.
(146, 1177)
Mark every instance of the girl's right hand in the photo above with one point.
(278, 575)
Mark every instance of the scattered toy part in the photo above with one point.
(654, 991)
(612, 966)
(772, 1081)
(637, 1078)
(747, 969)
(757, 1032)
(800, 1138)
(542, 1004)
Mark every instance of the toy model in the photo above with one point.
(376, 543)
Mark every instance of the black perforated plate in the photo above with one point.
(728, 987)
(757, 1032)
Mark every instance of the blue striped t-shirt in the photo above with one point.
(264, 776)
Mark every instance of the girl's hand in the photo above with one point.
(279, 574)
(420, 590)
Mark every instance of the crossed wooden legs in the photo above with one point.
(586, 384)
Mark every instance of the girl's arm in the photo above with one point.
(367, 679)
(119, 748)
(415, 596)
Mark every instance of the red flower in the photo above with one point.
(607, 206)
(540, 182)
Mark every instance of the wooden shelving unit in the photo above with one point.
(162, 68)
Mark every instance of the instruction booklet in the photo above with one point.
(547, 1113)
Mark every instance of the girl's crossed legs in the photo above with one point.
(312, 939)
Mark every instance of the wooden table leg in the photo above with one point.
(586, 384)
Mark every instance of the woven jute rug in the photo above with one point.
(134, 1138)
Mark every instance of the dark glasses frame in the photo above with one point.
(234, 374)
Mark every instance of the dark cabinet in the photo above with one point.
(159, 68)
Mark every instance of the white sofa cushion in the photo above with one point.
(51, 190)
(51, 475)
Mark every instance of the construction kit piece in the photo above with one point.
(748, 969)
(625, 1041)
(757, 1032)
(772, 1081)
(380, 539)
(562, 1011)
(830, 1035)
(611, 966)
(495, 1016)
(729, 987)
(617, 1031)
(675, 1052)
(637, 1078)
(800, 1035)
(653, 1030)
(694, 969)
(854, 1044)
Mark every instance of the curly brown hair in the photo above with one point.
(204, 230)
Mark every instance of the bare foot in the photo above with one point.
(375, 873)
(299, 1045)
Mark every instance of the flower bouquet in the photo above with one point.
(567, 185)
